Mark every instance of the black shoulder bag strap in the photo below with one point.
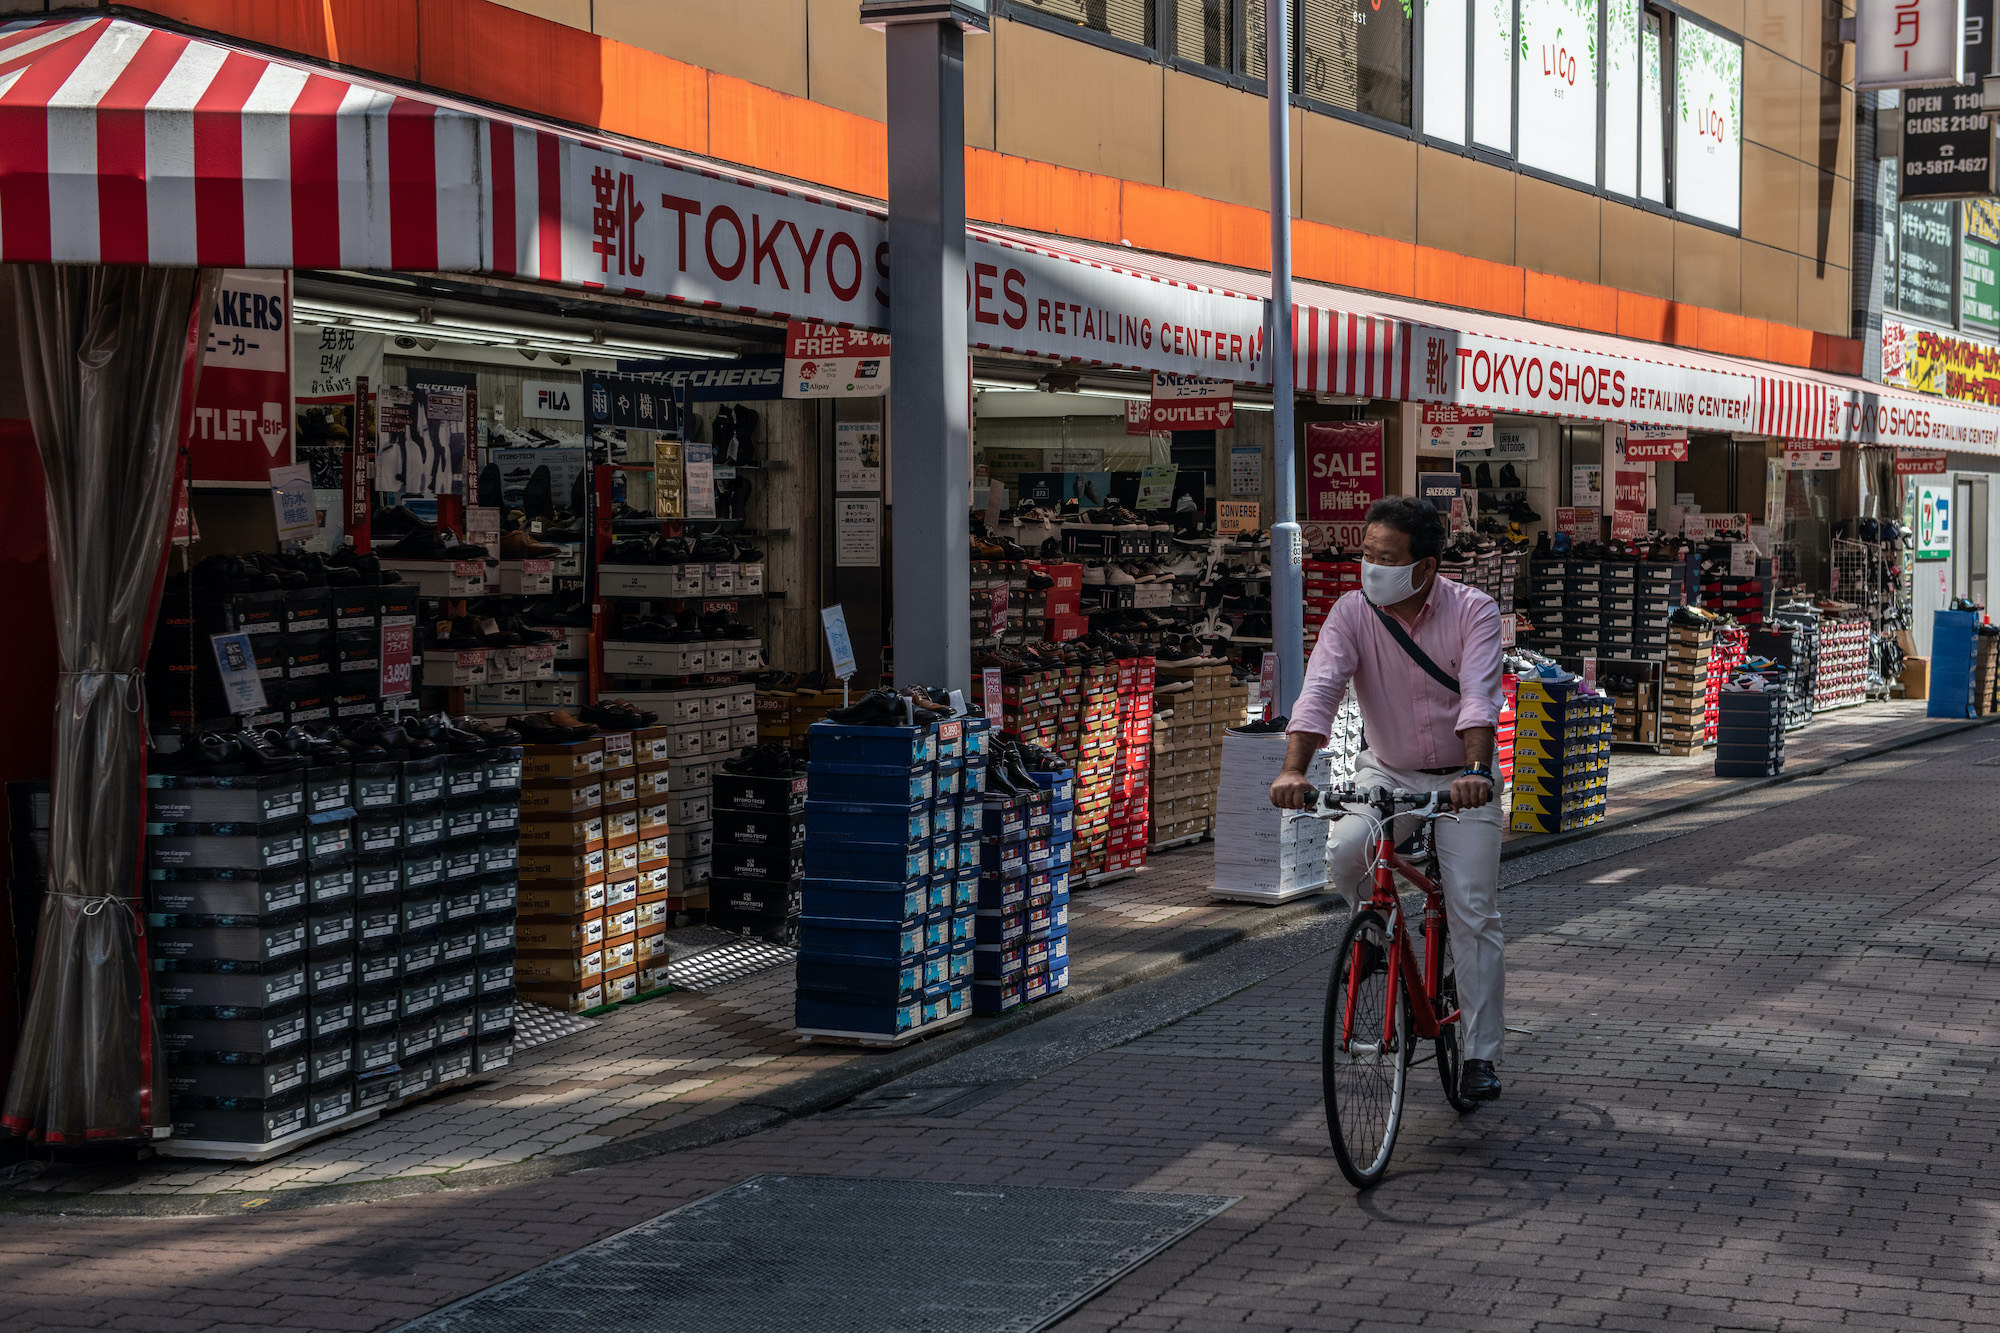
(1416, 654)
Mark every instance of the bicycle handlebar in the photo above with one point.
(1386, 800)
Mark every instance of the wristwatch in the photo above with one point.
(1476, 771)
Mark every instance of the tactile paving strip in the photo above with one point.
(823, 1254)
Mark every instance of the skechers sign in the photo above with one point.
(552, 398)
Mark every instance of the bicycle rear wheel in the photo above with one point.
(1364, 1048)
(1450, 1051)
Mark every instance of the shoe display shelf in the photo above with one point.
(894, 820)
(1021, 927)
(1746, 598)
(1562, 756)
(329, 943)
(1954, 664)
(1192, 707)
(1841, 680)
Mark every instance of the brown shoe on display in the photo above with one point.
(518, 545)
(562, 717)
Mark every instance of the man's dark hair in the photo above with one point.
(1415, 519)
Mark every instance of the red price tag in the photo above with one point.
(996, 617)
(990, 700)
(398, 650)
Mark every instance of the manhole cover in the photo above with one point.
(821, 1254)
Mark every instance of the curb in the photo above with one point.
(831, 1088)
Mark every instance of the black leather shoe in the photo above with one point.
(1477, 1082)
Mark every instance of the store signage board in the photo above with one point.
(1445, 427)
(1934, 522)
(996, 610)
(557, 399)
(839, 647)
(1909, 43)
(1656, 451)
(857, 533)
(826, 361)
(1246, 469)
(1439, 489)
(236, 662)
(992, 698)
(857, 454)
(698, 479)
(1156, 486)
(1626, 525)
(1912, 464)
(1505, 375)
(292, 503)
(752, 377)
(1235, 517)
(1586, 485)
(1589, 674)
(329, 362)
(1708, 140)
(398, 655)
(1343, 476)
(1138, 416)
(1947, 146)
(1267, 684)
(1025, 300)
(1812, 460)
(241, 426)
(1577, 521)
(625, 402)
(1192, 402)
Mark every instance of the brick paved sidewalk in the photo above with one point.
(1756, 1092)
(670, 1063)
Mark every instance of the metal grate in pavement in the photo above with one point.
(535, 1024)
(822, 1254)
(712, 969)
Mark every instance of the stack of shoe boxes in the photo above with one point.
(1091, 750)
(1547, 606)
(1986, 672)
(1503, 733)
(704, 725)
(1750, 735)
(1052, 614)
(228, 873)
(1022, 931)
(1193, 706)
(894, 819)
(786, 716)
(1326, 582)
(1659, 587)
(1562, 756)
(1791, 637)
(1684, 689)
(1732, 647)
(664, 811)
(1955, 650)
(1262, 854)
(1745, 597)
(759, 855)
(564, 876)
(1635, 709)
(1131, 772)
(625, 849)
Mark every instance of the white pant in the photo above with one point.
(1469, 852)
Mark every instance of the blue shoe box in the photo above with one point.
(856, 821)
(871, 784)
(1003, 819)
(998, 961)
(996, 894)
(996, 996)
(835, 743)
(1000, 927)
(1005, 860)
(889, 902)
(848, 937)
(833, 1012)
(897, 861)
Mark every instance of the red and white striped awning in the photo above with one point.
(125, 143)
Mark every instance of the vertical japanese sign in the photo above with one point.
(1343, 477)
(242, 420)
(398, 653)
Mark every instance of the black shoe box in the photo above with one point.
(457, 984)
(396, 603)
(454, 1025)
(418, 959)
(330, 842)
(758, 793)
(212, 1084)
(330, 1102)
(331, 886)
(264, 1123)
(254, 613)
(755, 898)
(234, 1039)
(250, 893)
(246, 994)
(330, 1060)
(751, 828)
(335, 1018)
(779, 930)
(355, 696)
(458, 944)
(308, 655)
(308, 703)
(308, 610)
(760, 864)
(423, 910)
(260, 798)
(334, 932)
(416, 1038)
(494, 1017)
(356, 609)
(357, 652)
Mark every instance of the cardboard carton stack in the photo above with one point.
(1192, 707)
(1326, 582)
(1562, 753)
(786, 716)
(1986, 674)
(1091, 751)
(1131, 773)
(1684, 689)
(1732, 646)
(1262, 854)
(663, 893)
(1022, 930)
(567, 907)
(1635, 716)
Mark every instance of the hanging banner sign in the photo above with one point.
(1447, 426)
(242, 419)
(626, 402)
(330, 362)
(1812, 460)
(1343, 477)
(824, 361)
(1191, 402)
(1656, 451)
(1139, 416)
(1910, 464)
(1504, 375)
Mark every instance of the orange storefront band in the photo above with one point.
(566, 74)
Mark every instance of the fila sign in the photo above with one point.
(552, 398)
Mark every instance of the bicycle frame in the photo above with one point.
(1402, 961)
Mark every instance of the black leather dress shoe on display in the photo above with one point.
(1477, 1082)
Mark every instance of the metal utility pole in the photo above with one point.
(1287, 577)
(930, 380)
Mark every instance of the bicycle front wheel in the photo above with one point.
(1364, 1050)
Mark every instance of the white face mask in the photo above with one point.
(1386, 585)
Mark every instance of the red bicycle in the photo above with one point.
(1383, 999)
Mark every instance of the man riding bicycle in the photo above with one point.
(1423, 654)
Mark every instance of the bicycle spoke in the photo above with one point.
(1364, 1071)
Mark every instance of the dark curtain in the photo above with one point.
(105, 358)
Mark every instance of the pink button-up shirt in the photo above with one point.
(1411, 720)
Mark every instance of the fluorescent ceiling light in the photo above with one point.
(459, 328)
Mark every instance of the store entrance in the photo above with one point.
(1968, 551)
